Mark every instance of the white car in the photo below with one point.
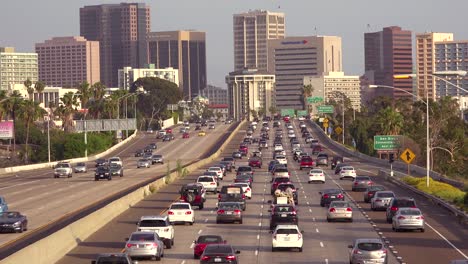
(290, 131)
(245, 188)
(287, 236)
(301, 118)
(316, 175)
(291, 135)
(289, 126)
(282, 159)
(115, 160)
(347, 172)
(408, 218)
(181, 213)
(160, 225)
(302, 124)
(278, 147)
(209, 183)
(218, 171)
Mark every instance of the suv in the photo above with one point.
(322, 159)
(306, 162)
(397, 203)
(232, 193)
(157, 158)
(116, 169)
(283, 214)
(159, 225)
(194, 194)
(230, 159)
(115, 160)
(63, 169)
(121, 258)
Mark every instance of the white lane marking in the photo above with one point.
(206, 220)
(199, 232)
(310, 210)
(316, 230)
(256, 252)
(321, 243)
(446, 240)
(326, 261)
(261, 214)
(260, 224)
(307, 203)
(183, 262)
(305, 196)
(192, 245)
(19, 184)
(258, 237)
(261, 206)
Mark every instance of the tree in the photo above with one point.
(29, 88)
(66, 110)
(12, 104)
(85, 93)
(261, 111)
(3, 98)
(97, 107)
(390, 121)
(307, 91)
(40, 86)
(29, 112)
(254, 114)
(273, 110)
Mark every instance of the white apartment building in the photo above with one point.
(50, 94)
(248, 90)
(128, 75)
(17, 67)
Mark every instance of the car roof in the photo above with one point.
(368, 240)
(287, 227)
(182, 203)
(112, 255)
(154, 217)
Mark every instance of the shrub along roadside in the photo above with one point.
(439, 189)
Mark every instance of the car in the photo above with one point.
(144, 244)
(360, 183)
(329, 195)
(218, 171)
(244, 178)
(63, 169)
(106, 258)
(168, 131)
(157, 158)
(276, 181)
(102, 172)
(282, 159)
(280, 153)
(255, 161)
(148, 155)
(335, 161)
(283, 214)
(11, 221)
(161, 133)
(245, 188)
(281, 171)
(211, 126)
(219, 253)
(244, 169)
(185, 135)
(263, 144)
(230, 159)
(194, 194)
(80, 167)
(272, 165)
(347, 172)
(143, 163)
(149, 131)
(232, 193)
(201, 133)
(227, 164)
(100, 162)
(289, 187)
(115, 160)
(316, 175)
(287, 236)
(306, 162)
(408, 219)
(237, 155)
(295, 145)
(256, 153)
(317, 149)
(278, 147)
(381, 200)
(203, 241)
(138, 153)
(229, 212)
(370, 192)
(159, 225)
(314, 142)
(209, 183)
(152, 146)
(182, 130)
(339, 166)
(186, 122)
(168, 137)
(308, 139)
(116, 170)
(197, 127)
(181, 212)
(339, 210)
(368, 250)
(243, 149)
(3, 204)
(321, 160)
(396, 203)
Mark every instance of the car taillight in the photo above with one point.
(205, 258)
(232, 257)
(152, 245)
(170, 213)
(394, 208)
(349, 209)
(369, 194)
(129, 245)
(326, 196)
(332, 210)
(413, 206)
(369, 183)
(247, 190)
(321, 175)
(299, 236)
(355, 183)
(420, 217)
(243, 196)
(188, 212)
(353, 172)
(274, 237)
(340, 196)
(220, 211)
(384, 252)
(237, 211)
(219, 196)
(357, 252)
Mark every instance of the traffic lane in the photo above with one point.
(111, 237)
(40, 202)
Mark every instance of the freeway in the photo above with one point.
(44, 199)
(323, 242)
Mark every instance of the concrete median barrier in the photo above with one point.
(52, 248)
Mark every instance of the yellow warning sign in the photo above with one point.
(407, 156)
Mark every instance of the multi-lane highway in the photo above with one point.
(324, 242)
(44, 199)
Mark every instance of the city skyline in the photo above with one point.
(215, 18)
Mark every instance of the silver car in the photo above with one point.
(80, 167)
(145, 244)
(408, 218)
(340, 210)
(143, 163)
(368, 250)
(381, 200)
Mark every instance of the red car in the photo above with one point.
(203, 241)
(168, 130)
(317, 149)
(255, 162)
(286, 119)
(185, 135)
(243, 149)
(306, 162)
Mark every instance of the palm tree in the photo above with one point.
(29, 88)
(99, 91)
(3, 99)
(389, 121)
(29, 112)
(98, 94)
(40, 86)
(12, 104)
(85, 93)
(67, 109)
(307, 91)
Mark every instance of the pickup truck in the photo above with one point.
(63, 169)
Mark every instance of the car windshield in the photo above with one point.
(205, 179)
(157, 156)
(9, 215)
(369, 246)
(286, 231)
(409, 212)
(315, 171)
(243, 177)
(229, 206)
(282, 179)
(152, 223)
(362, 178)
(386, 195)
(112, 260)
(241, 169)
(143, 160)
(283, 187)
(376, 188)
(142, 237)
(114, 159)
(332, 191)
(209, 239)
(216, 249)
(115, 166)
(210, 173)
(339, 204)
(347, 168)
(306, 159)
(281, 169)
(281, 209)
(180, 206)
(62, 165)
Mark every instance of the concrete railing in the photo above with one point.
(53, 247)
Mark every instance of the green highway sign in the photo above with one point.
(386, 142)
(325, 109)
(301, 112)
(315, 99)
(289, 112)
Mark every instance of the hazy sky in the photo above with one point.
(26, 22)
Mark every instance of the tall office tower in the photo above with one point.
(182, 50)
(389, 52)
(252, 30)
(68, 61)
(121, 30)
(426, 61)
(292, 58)
(451, 56)
(17, 67)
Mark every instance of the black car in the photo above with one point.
(245, 169)
(168, 137)
(232, 193)
(335, 161)
(138, 153)
(152, 145)
(102, 172)
(197, 127)
(245, 178)
(116, 170)
(13, 222)
(227, 165)
(219, 253)
(101, 162)
(397, 203)
(148, 150)
(231, 160)
(370, 192)
(284, 186)
(283, 214)
(120, 258)
(329, 195)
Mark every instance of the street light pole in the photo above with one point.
(48, 137)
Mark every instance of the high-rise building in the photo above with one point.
(68, 61)
(389, 52)
(17, 67)
(252, 30)
(451, 56)
(121, 30)
(128, 75)
(216, 95)
(248, 90)
(292, 58)
(182, 50)
(426, 61)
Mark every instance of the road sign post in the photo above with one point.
(408, 156)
